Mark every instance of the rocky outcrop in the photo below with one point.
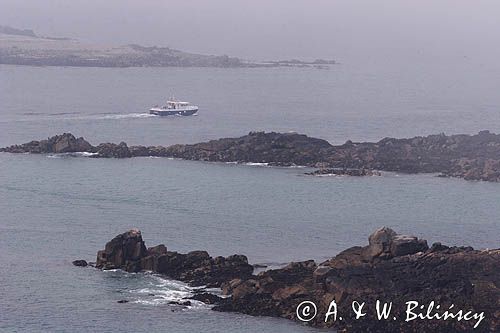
(124, 251)
(120, 150)
(391, 268)
(282, 149)
(64, 143)
(473, 157)
(128, 252)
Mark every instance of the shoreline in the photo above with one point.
(398, 272)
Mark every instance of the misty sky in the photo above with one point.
(347, 30)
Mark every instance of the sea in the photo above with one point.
(58, 208)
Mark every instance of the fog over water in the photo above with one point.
(406, 68)
(364, 32)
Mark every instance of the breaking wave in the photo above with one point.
(75, 154)
(152, 289)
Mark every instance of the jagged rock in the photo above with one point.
(385, 243)
(379, 241)
(67, 143)
(113, 150)
(137, 151)
(64, 143)
(124, 251)
(393, 268)
(402, 245)
(127, 251)
(157, 250)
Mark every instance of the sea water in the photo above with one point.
(57, 208)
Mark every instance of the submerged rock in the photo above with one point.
(391, 268)
(184, 303)
(206, 298)
(344, 172)
(80, 263)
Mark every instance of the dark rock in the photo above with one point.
(137, 151)
(472, 157)
(206, 298)
(186, 303)
(125, 251)
(157, 250)
(80, 263)
(391, 267)
(402, 245)
(67, 143)
(128, 252)
(438, 247)
(113, 150)
(344, 172)
(122, 301)
(64, 143)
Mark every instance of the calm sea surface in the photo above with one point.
(55, 209)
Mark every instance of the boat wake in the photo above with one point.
(95, 116)
(127, 115)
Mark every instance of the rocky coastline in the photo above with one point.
(391, 268)
(472, 157)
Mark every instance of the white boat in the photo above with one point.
(174, 108)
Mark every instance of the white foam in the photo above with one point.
(127, 115)
(74, 154)
(161, 291)
(85, 154)
(256, 164)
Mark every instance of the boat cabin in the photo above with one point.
(176, 104)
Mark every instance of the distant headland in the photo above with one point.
(25, 47)
(472, 157)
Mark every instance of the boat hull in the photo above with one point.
(172, 112)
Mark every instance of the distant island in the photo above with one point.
(25, 47)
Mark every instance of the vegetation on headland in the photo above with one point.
(24, 47)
